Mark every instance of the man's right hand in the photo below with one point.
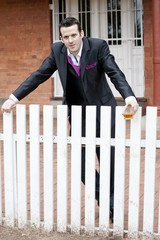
(8, 105)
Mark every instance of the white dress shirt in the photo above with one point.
(75, 59)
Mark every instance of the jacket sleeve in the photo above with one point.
(110, 67)
(45, 71)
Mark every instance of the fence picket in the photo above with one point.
(105, 170)
(34, 165)
(61, 168)
(21, 165)
(76, 169)
(0, 187)
(90, 169)
(134, 180)
(149, 181)
(9, 169)
(119, 173)
(15, 182)
(159, 215)
(48, 166)
(15, 175)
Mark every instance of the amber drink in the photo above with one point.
(128, 113)
(128, 116)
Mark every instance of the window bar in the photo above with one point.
(135, 20)
(141, 6)
(136, 24)
(116, 23)
(64, 8)
(88, 16)
(137, 7)
(109, 20)
(85, 5)
(111, 24)
(79, 10)
(119, 20)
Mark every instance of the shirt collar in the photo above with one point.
(79, 53)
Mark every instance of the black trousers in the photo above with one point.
(97, 174)
(97, 183)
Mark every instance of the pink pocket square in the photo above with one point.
(91, 66)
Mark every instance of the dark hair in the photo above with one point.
(69, 21)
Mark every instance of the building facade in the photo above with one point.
(131, 28)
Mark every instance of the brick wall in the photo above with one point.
(148, 51)
(25, 39)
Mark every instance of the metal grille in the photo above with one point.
(108, 17)
(114, 21)
(62, 10)
(138, 22)
(84, 16)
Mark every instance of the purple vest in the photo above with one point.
(76, 68)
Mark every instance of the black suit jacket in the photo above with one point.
(96, 60)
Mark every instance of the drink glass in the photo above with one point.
(128, 113)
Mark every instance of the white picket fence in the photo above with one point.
(13, 147)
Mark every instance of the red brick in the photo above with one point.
(26, 27)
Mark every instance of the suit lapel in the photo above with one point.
(84, 56)
(63, 61)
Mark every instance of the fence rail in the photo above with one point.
(17, 183)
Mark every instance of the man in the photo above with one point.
(82, 63)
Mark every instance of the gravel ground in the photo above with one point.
(7, 233)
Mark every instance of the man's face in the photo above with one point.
(72, 38)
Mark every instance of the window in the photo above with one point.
(102, 18)
(62, 10)
(138, 22)
(114, 21)
(84, 16)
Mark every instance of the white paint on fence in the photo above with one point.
(15, 181)
(134, 176)
(149, 180)
(21, 165)
(0, 185)
(159, 215)
(34, 165)
(76, 169)
(48, 166)
(120, 136)
(9, 169)
(105, 147)
(90, 163)
(62, 168)
(15, 187)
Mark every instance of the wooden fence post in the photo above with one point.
(119, 173)
(62, 168)
(105, 148)
(76, 168)
(34, 166)
(90, 163)
(149, 181)
(9, 161)
(48, 166)
(0, 183)
(21, 165)
(134, 175)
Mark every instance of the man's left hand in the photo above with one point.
(133, 103)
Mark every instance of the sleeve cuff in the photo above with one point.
(12, 97)
(129, 99)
